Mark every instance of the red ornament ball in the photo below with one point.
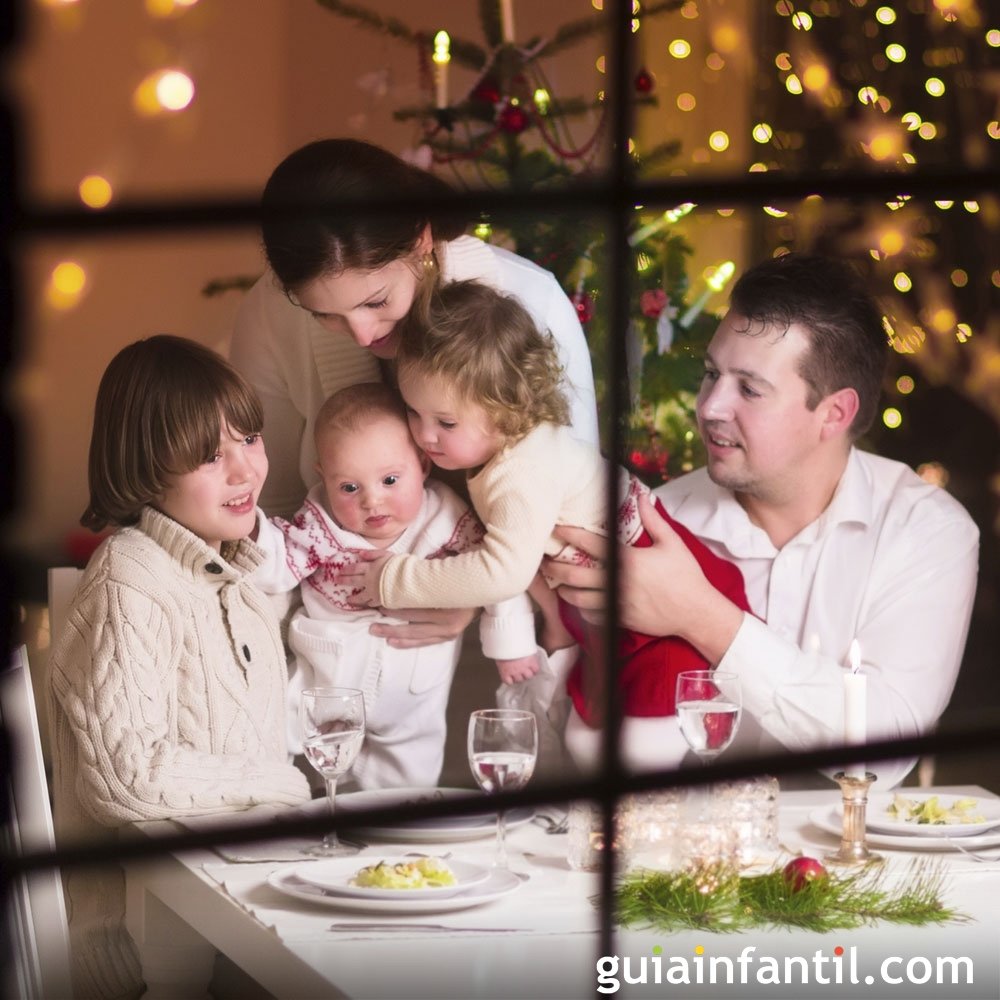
(644, 81)
(584, 306)
(799, 872)
(487, 91)
(513, 119)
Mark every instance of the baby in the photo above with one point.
(374, 495)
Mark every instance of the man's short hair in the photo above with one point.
(829, 300)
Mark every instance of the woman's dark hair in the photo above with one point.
(302, 246)
(828, 299)
(161, 408)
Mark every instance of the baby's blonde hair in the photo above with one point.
(356, 406)
(487, 347)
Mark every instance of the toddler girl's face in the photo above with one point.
(454, 433)
(374, 479)
(218, 500)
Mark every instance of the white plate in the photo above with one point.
(499, 884)
(335, 877)
(829, 818)
(877, 817)
(443, 829)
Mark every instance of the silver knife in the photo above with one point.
(342, 925)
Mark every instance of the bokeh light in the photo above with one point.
(679, 48)
(164, 90)
(891, 417)
(719, 140)
(66, 285)
(95, 191)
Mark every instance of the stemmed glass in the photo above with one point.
(333, 729)
(709, 706)
(503, 748)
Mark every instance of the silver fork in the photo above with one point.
(553, 825)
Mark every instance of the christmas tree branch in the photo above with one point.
(464, 52)
(575, 31)
(717, 899)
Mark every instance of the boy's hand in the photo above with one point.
(363, 578)
(512, 671)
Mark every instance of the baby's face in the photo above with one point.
(374, 479)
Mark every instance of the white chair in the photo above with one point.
(63, 581)
(35, 908)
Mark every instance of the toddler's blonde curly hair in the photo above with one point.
(487, 347)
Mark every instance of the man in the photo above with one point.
(835, 544)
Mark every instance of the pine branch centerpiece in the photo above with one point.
(717, 898)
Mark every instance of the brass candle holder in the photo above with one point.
(853, 846)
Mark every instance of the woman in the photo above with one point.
(324, 314)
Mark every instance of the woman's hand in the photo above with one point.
(424, 626)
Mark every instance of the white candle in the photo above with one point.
(441, 57)
(855, 707)
(507, 19)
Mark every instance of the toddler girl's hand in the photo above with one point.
(363, 577)
(512, 671)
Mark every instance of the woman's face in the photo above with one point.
(218, 500)
(364, 305)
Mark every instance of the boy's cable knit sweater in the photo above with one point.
(167, 700)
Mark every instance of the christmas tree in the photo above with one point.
(510, 132)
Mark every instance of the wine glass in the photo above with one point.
(333, 729)
(503, 748)
(709, 707)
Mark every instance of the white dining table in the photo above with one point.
(542, 939)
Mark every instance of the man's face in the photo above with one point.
(752, 414)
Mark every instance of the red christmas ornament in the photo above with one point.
(513, 119)
(801, 871)
(644, 81)
(584, 306)
(487, 91)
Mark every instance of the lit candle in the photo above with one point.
(507, 19)
(441, 57)
(855, 707)
(716, 283)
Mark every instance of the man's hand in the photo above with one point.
(424, 626)
(512, 671)
(663, 589)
